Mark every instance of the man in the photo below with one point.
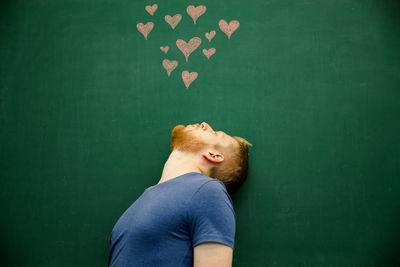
(187, 219)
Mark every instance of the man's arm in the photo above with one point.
(212, 254)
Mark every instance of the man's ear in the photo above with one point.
(213, 157)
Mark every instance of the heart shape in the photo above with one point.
(188, 77)
(173, 21)
(164, 48)
(210, 35)
(169, 65)
(195, 12)
(208, 53)
(151, 9)
(228, 29)
(145, 29)
(188, 48)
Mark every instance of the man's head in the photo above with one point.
(222, 156)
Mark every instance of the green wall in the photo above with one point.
(86, 111)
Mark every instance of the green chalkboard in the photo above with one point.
(87, 108)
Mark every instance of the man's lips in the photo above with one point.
(204, 126)
(193, 125)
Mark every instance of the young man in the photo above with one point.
(187, 219)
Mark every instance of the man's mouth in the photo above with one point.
(194, 125)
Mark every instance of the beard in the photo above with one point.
(185, 141)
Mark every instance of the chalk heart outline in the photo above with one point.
(196, 12)
(145, 29)
(208, 53)
(230, 28)
(164, 48)
(173, 21)
(151, 9)
(210, 35)
(169, 65)
(188, 48)
(188, 77)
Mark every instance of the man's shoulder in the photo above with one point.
(210, 188)
(205, 182)
(186, 187)
(211, 199)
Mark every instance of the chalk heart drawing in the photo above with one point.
(151, 9)
(208, 53)
(145, 29)
(188, 77)
(173, 21)
(195, 12)
(169, 66)
(164, 48)
(228, 29)
(188, 48)
(210, 35)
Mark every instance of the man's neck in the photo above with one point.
(179, 163)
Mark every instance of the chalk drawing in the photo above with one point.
(208, 53)
(145, 29)
(169, 65)
(210, 35)
(188, 48)
(195, 12)
(164, 48)
(228, 29)
(188, 77)
(173, 21)
(151, 9)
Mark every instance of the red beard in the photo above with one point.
(185, 141)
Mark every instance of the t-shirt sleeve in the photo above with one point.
(211, 215)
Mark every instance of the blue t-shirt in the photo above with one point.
(169, 219)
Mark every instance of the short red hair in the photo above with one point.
(233, 172)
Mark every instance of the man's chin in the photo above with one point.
(179, 126)
(185, 141)
(177, 136)
(178, 129)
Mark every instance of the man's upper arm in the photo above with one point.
(211, 216)
(211, 254)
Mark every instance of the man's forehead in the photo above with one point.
(235, 143)
(227, 136)
(229, 141)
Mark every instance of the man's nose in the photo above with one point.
(206, 126)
